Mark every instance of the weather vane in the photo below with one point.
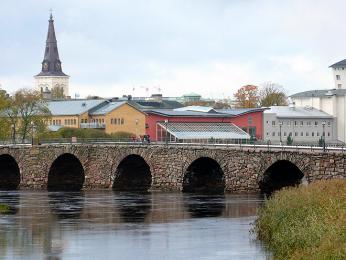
(51, 13)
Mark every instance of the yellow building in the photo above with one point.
(109, 116)
(119, 116)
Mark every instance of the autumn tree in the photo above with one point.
(247, 96)
(26, 110)
(272, 95)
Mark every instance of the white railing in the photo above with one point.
(93, 125)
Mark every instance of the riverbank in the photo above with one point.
(307, 222)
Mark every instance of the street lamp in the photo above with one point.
(32, 132)
(324, 136)
(166, 125)
(280, 125)
(136, 122)
(13, 133)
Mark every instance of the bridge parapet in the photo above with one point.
(243, 168)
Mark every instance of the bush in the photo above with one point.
(67, 132)
(308, 222)
(5, 209)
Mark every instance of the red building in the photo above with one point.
(250, 120)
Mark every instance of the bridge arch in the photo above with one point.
(66, 174)
(282, 173)
(204, 175)
(9, 173)
(133, 173)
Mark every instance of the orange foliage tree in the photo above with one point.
(247, 96)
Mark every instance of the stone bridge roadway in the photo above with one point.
(155, 167)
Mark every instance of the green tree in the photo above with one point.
(289, 140)
(26, 111)
(272, 95)
(58, 93)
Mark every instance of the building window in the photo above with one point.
(267, 133)
(301, 123)
(318, 134)
(249, 120)
(295, 122)
(74, 121)
(339, 85)
(273, 123)
(338, 77)
(267, 122)
(273, 134)
(316, 123)
(307, 134)
(301, 134)
(284, 133)
(329, 123)
(312, 134)
(118, 121)
(122, 121)
(290, 134)
(65, 121)
(328, 134)
(295, 133)
(111, 121)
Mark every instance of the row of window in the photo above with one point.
(300, 123)
(98, 120)
(117, 121)
(297, 134)
(70, 122)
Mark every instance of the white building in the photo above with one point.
(51, 75)
(339, 73)
(303, 124)
(331, 101)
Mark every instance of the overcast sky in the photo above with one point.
(212, 47)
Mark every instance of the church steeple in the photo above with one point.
(51, 79)
(51, 64)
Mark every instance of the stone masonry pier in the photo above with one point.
(159, 167)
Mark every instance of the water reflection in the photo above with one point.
(201, 206)
(133, 207)
(98, 226)
(66, 205)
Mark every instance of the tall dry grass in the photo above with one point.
(306, 222)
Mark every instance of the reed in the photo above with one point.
(305, 222)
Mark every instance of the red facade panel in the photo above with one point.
(244, 121)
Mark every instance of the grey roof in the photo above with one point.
(107, 108)
(196, 109)
(73, 107)
(239, 111)
(320, 93)
(171, 112)
(205, 130)
(152, 104)
(51, 64)
(339, 64)
(296, 112)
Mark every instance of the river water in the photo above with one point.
(107, 225)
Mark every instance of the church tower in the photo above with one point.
(52, 79)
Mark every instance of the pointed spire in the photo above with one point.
(51, 64)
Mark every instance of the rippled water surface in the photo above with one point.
(108, 225)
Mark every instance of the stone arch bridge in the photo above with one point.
(159, 167)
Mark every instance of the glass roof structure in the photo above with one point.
(193, 130)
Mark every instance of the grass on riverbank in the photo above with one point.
(307, 222)
(5, 209)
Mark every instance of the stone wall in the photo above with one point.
(243, 168)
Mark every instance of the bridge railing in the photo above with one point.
(131, 141)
